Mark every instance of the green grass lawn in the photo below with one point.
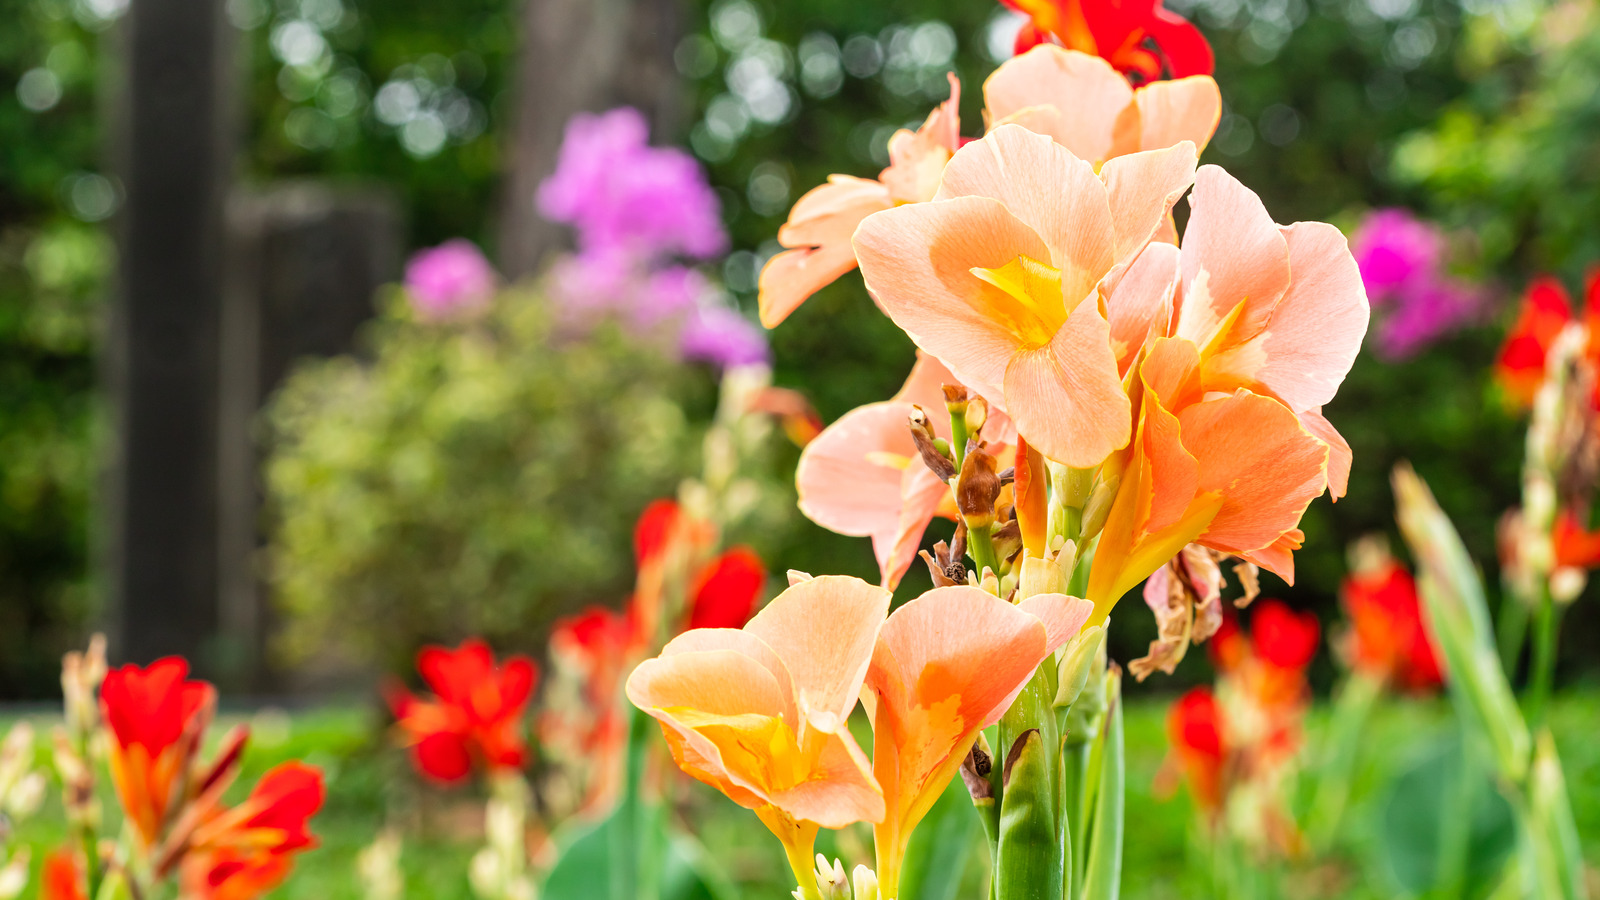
(370, 785)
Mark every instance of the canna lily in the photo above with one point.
(817, 234)
(760, 713)
(1139, 37)
(60, 878)
(862, 475)
(1081, 102)
(156, 718)
(1237, 359)
(1546, 310)
(476, 716)
(1194, 728)
(1574, 546)
(947, 665)
(725, 591)
(1388, 636)
(999, 277)
(244, 852)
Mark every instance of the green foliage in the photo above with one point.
(468, 479)
(54, 264)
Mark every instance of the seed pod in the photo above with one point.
(978, 488)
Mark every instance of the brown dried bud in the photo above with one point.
(955, 399)
(978, 488)
(928, 445)
(975, 771)
(945, 564)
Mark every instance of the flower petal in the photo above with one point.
(1142, 187)
(840, 789)
(1063, 616)
(1067, 398)
(824, 631)
(1140, 306)
(1089, 94)
(818, 231)
(1187, 109)
(1234, 255)
(1339, 455)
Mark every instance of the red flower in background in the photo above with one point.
(1283, 637)
(1388, 636)
(241, 853)
(1195, 728)
(1575, 546)
(61, 879)
(725, 591)
(1546, 310)
(657, 526)
(156, 718)
(476, 717)
(1138, 37)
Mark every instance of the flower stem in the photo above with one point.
(1546, 631)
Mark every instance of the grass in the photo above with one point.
(369, 785)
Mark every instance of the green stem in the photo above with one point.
(1512, 633)
(1455, 830)
(1546, 630)
(1350, 714)
(981, 547)
(958, 439)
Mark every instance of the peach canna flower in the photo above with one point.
(1085, 105)
(759, 713)
(948, 664)
(1237, 358)
(1000, 278)
(862, 475)
(819, 227)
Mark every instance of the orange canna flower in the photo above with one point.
(999, 278)
(862, 475)
(244, 852)
(476, 717)
(1238, 358)
(1081, 102)
(1138, 37)
(156, 718)
(760, 713)
(947, 665)
(61, 879)
(819, 227)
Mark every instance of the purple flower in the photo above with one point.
(719, 335)
(621, 194)
(1392, 247)
(449, 279)
(1424, 311)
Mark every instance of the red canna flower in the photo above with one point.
(61, 878)
(241, 853)
(655, 528)
(1575, 546)
(1388, 636)
(726, 590)
(1282, 637)
(476, 717)
(1139, 38)
(1195, 729)
(156, 718)
(1546, 310)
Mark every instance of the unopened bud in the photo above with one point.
(1007, 540)
(1566, 583)
(1040, 575)
(866, 883)
(831, 880)
(978, 489)
(929, 444)
(14, 875)
(1078, 663)
(977, 414)
(1098, 506)
(1073, 485)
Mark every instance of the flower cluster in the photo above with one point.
(1140, 38)
(153, 721)
(1236, 745)
(636, 209)
(475, 717)
(450, 280)
(1402, 264)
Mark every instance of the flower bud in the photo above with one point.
(1041, 575)
(955, 399)
(1007, 541)
(1098, 506)
(1077, 663)
(866, 884)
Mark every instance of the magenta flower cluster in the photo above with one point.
(1402, 261)
(636, 210)
(450, 280)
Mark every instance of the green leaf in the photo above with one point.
(1432, 796)
(941, 848)
(1102, 878)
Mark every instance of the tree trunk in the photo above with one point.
(577, 56)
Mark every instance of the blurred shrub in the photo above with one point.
(470, 478)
